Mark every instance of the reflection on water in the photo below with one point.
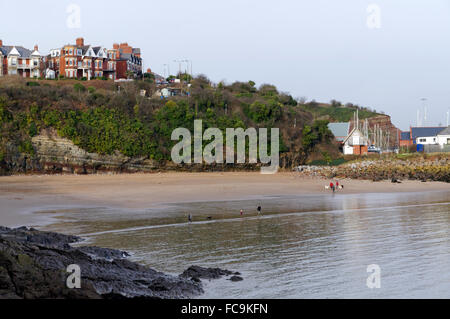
(302, 247)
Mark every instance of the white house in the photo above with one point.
(355, 143)
(427, 140)
(443, 137)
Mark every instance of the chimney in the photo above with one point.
(116, 46)
(80, 42)
(1, 43)
(36, 48)
(126, 48)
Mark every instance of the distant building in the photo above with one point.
(405, 139)
(85, 61)
(356, 143)
(443, 137)
(425, 135)
(17, 60)
(127, 61)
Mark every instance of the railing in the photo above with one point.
(27, 66)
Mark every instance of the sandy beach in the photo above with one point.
(22, 195)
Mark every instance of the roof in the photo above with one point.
(445, 131)
(425, 131)
(356, 130)
(405, 136)
(339, 130)
(24, 53)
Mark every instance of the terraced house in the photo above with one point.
(85, 61)
(125, 60)
(17, 60)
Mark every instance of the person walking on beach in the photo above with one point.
(332, 187)
(337, 185)
(242, 212)
(190, 218)
(259, 210)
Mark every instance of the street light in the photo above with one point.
(424, 103)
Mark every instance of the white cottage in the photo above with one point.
(443, 137)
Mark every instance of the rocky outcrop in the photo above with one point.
(33, 265)
(386, 169)
(59, 154)
(196, 272)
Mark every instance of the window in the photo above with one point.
(448, 141)
(14, 61)
(422, 140)
(71, 52)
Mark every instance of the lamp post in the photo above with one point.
(424, 103)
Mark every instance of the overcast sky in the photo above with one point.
(320, 49)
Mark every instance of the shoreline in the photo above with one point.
(22, 196)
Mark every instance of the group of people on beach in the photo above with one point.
(258, 210)
(335, 186)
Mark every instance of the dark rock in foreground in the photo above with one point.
(33, 265)
(236, 278)
(196, 273)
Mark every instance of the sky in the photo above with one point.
(382, 54)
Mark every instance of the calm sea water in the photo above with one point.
(301, 247)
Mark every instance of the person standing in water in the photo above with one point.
(190, 218)
(242, 212)
(259, 210)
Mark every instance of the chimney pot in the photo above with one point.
(80, 42)
(1, 43)
(36, 48)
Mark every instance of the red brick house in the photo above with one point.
(85, 61)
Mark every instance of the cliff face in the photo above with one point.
(56, 155)
(390, 132)
(59, 155)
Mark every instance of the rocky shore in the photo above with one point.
(33, 265)
(437, 169)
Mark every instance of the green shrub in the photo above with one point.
(78, 87)
(32, 83)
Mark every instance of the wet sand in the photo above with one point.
(20, 196)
